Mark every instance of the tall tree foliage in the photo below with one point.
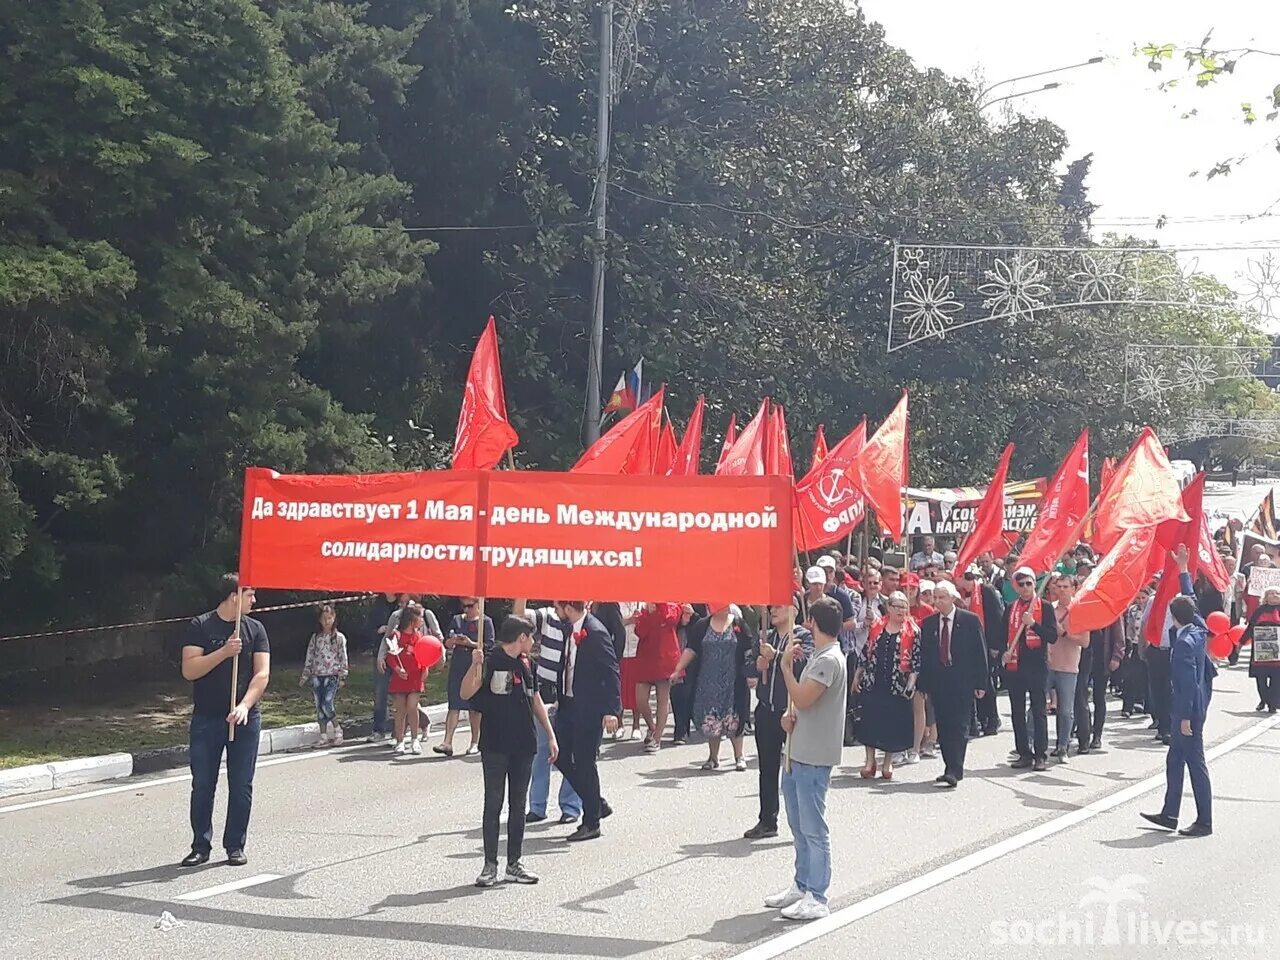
(178, 227)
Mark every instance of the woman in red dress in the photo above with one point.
(657, 654)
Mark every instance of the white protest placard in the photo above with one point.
(1260, 578)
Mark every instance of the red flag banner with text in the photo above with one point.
(520, 533)
(828, 506)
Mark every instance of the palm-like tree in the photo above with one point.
(1112, 893)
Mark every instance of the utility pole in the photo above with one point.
(595, 360)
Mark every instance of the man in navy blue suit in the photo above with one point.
(590, 703)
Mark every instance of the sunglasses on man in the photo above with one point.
(1024, 582)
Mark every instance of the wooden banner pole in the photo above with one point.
(235, 664)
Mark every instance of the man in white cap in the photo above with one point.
(1029, 627)
(840, 594)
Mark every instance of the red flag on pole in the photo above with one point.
(1143, 493)
(988, 522)
(730, 437)
(1211, 563)
(690, 449)
(484, 433)
(820, 450)
(1107, 593)
(827, 505)
(880, 469)
(746, 458)
(665, 457)
(1170, 535)
(778, 451)
(629, 447)
(1062, 511)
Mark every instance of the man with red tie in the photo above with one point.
(953, 671)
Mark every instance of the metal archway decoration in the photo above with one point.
(1212, 424)
(938, 289)
(1152, 370)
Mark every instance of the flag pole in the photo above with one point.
(235, 664)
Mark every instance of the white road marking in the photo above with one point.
(845, 916)
(136, 785)
(208, 892)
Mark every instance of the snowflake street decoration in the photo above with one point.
(928, 307)
(1151, 384)
(1262, 281)
(1095, 280)
(1014, 289)
(1196, 372)
(939, 289)
(1153, 369)
(912, 264)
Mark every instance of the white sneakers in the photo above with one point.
(807, 908)
(337, 735)
(786, 898)
(402, 746)
(908, 757)
(417, 745)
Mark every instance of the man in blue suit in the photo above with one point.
(1191, 674)
(590, 702)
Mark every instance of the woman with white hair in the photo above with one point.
(886, 679)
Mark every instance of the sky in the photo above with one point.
(1143, 151)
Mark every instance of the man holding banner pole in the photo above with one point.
(216, 644)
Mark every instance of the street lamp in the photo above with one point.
(985, 91)
(1053, 85)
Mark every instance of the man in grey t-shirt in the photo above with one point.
(815, 724)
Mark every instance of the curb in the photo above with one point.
(42, 777)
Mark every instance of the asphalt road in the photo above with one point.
(354, 854)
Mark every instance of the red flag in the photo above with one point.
(880, 469)
(778, 451)
(746, 458)
(988, 522)
(1211, 563)
(1062, 511)
(819, 447)
(665, 457)
(730, 437)
(827, 505)
(690, 450)
(1105, 476)
(1143, 493)
(629, 446)
(1126, 569)
(484, 433)
(1170, 535)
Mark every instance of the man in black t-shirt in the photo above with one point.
(502, 688)
(208, 649)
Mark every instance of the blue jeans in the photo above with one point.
(1064, 684)
(381, 721)
(1188, 752)
(208, 740)
(325, 689)
(804, 791)
(540, 786)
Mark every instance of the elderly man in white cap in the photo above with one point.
(849, 607)
(1029, 627)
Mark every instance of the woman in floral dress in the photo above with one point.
(721, 644)
(886, 679)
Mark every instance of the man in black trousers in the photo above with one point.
(953, 672)
(977, 596)
(1029, 625)
(771, 697)
(590, 695)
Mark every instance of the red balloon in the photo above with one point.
(1220, 645)
(1218, 622)
(428, 651)
(1236, 632)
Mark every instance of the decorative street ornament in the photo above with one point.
(1211, 424)
(938, 289)
(1152, 370)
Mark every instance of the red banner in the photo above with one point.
(521, 534)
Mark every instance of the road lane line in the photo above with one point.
(845, 916)
(208, 892)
